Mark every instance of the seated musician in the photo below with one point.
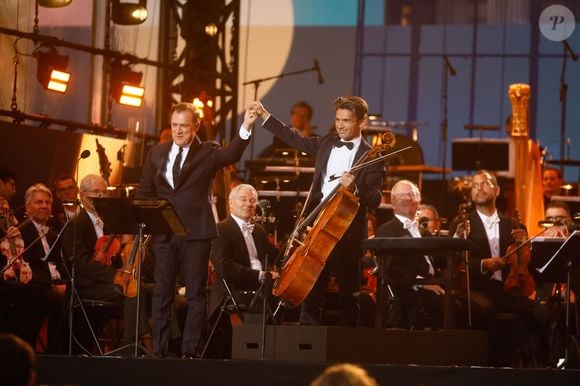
(65, 206)
(22, 306)
(94, 279)
(494, 233)
(300, 117)
(552, 180)
(238, 256)
(558, 214)
(48, 271)
(403, 271)
(430, 214)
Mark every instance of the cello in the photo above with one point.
(305, 256)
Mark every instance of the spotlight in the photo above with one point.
(125, 85)
(51, 70)
(54, 3)
(129, 12)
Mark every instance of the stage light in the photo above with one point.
(211, 29)
(129, 12)
(54, 3)
(125, 85)
(51, 71)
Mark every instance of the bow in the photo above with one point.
(248, 227)
(340, 143)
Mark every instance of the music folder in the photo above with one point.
(123, 215)
(557, 266)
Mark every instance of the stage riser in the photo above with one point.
(362, 345)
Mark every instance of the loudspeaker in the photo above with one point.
(361, 345)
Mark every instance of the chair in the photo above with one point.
(237, 303)
(99, 313)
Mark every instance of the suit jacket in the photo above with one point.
(479, 237)
(403, 270)
(191, 198)
(78, 245)
(231, 260)
(34, 256)
(368, 180)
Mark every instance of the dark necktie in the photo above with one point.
(177, 167)
(340, 143)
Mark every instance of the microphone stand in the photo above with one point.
(73, 293)
(564, 98)
(444, 123)
(256, 82)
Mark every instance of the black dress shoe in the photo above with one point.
(188, 355)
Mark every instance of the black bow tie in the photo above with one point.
(340, 143)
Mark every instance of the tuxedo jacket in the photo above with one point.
(231, 260)
(191, 198)
(78, 245)
(368, 180)
(403, 270)
(479, 237)
(35, 255)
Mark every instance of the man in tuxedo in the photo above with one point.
(15, 293)
(95, 280)
(494, 233)
(65, 206)
(403, 271)
(47, 269)
(181, 171)
(336, 152)
(238, 255)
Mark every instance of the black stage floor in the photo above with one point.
(74, 370)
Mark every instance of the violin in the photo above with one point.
(126, 277)
(105, 248)
(518, 256)
(13, 247)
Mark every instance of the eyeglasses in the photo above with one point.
(97, 191)
(483, 184)
(557, 218)
(409, 195)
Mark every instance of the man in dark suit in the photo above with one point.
(403, 271)
(95, 280)
(494, 233)
(336, 152)
(238, 255)
(181, 172)
(47, 270)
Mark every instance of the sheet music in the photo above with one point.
(568, 240)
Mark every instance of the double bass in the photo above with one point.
(307, 255)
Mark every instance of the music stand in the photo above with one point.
(559, 266)
(135, 215)
(398, 247)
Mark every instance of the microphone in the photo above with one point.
(85, 154)
(264, 204)
(318, 71)
(423, 222)
(70, 202)
(449, 66)
(569, 49)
